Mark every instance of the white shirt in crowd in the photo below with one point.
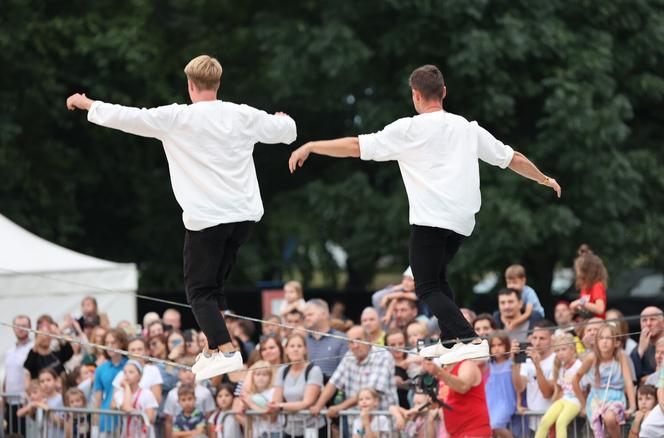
(151, 376)
(438, 156)
(209, 147)
(534, 398)
(204, 401)
(142, 400)
(14, 371)
(380, 425)
(653, 425)
(565, 379)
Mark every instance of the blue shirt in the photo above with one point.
(104, 376)
(529, 296)
(327, 352)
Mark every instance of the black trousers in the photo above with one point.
(209, 255)
(431, 250)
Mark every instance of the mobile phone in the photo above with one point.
(520, 357)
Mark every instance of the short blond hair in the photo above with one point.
(205, 72)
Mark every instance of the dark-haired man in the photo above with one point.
(438, 154)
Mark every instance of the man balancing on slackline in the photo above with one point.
(209, 146)
(437, 152)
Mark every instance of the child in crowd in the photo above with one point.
(132, 398)
(77, 425)
(84, 377)
(420, 420)
(591, 278)
(36, 399)
(566, 405)
(49, 382)
(515, 278)
(366, 425)
(203, 397)
(224, 425)
(293, 298)
(256, 396)
(646, 401)
(190, 422)
(610, 380)
(499, 389)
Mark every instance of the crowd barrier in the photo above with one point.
(73, 423)
(93, 423)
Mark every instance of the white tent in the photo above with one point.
(37, 277)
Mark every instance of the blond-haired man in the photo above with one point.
(209, 146)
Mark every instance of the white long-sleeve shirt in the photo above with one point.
(438, 156)
(209, 146)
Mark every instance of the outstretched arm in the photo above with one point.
(524, 167)
(340, 148)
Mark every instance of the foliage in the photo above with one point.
(577, 87)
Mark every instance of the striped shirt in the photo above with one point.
(327, 352)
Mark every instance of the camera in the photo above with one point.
(520, 357)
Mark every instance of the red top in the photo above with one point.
(597, 292)
(469, 415)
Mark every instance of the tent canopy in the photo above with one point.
(38, 277)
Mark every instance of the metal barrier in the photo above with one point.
(9, 405)
(85, 423)
(578, 428)
(312, 432)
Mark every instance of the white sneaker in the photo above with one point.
(461, 351)
(217, 364)
(197, 365)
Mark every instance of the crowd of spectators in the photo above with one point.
(584, 364)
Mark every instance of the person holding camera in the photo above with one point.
(533, 371)
(468, 414)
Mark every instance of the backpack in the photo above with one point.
(307, 370)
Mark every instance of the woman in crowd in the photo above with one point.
(176, 346)
(396, 339)
(297, 388)
(94, 356)
(611, 385)
(270, 350)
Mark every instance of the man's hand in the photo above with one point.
(644, 341)
(279, 113)
(534, 355)
(550, 182)
(79, 101)
(516, 347)
(298, 157)
(333, 411)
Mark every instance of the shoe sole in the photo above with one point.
(453, 358)
(208, 374)
(432, 355)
